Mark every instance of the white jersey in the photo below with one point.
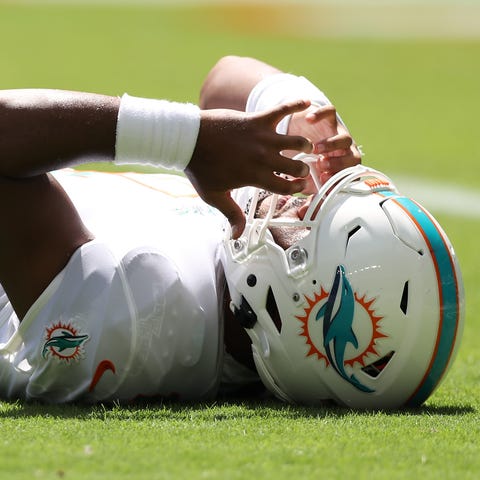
(136, 312)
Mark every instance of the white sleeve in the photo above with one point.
(283, 87)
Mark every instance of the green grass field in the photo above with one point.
(411, 103)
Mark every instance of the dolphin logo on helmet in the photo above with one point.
(337, 327)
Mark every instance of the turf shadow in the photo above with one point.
(222, 409)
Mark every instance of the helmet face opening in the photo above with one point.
(365, 308)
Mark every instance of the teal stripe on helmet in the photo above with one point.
(448, 295)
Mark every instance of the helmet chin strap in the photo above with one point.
(311, 159)
(268, 218)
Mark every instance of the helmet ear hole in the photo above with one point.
(272, 310)
(245, 314)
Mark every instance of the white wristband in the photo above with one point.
(156, 132)
(283, 87)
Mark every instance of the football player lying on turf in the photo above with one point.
(119, 286)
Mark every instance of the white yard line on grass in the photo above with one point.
(441, 197)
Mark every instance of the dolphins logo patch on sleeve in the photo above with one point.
(329, 324)
(64, 342)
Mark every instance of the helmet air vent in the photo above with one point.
(272, 310)
(376, 368)
(404, 300)
(351, 233)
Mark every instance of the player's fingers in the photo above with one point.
(337, 142)
(284, 165)
(283, 186)
(224, 202)
(335, 164)
(322, 113)
(325, 176)
(277, 113)
(293, 142)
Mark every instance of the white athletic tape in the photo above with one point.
(156, 132)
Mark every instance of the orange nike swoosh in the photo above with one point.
(102, 367)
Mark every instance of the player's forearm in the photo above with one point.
(42, 130)
(231, 80)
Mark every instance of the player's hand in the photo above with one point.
(235, 149)
(331, 139)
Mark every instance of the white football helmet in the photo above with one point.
(365, 310)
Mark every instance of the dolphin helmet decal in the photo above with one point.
(338, 326)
